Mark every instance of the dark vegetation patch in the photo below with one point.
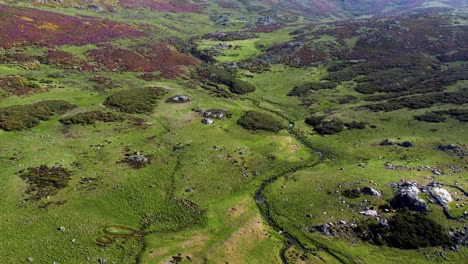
(179, 6)
(294, 54)
(16, 85)
(45, 181)
(457, 150)
(135, 101)
(102, 83)
(19, 117)
(440, 116)
(459, 114)
(143, 58)
(90, 118)
(391, 80)
(304, 89)
(422, 101)
(253, 120)
(224, 76)
(431, 117)
(120, 60)
(65, 60)
(229, 36)
(460, 55)
(23, 26)
(352, 193)
(406, 230)
(17, 58)
(334, 126)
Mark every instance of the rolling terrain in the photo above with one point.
(233, 131)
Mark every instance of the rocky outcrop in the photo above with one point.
(408, 197)
(371, 191)
(442, 195)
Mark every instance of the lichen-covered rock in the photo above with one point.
(442, 195)
(408, 197)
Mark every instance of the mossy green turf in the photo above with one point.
(216, 176)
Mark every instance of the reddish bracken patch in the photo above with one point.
(227, 5)
(23, 26)
(15, 85)
(167, 60)
(115, 59)
(179, 6)
(65, 60)
(157, 57)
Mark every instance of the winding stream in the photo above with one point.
(264, 206)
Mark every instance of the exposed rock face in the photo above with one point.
(207, 121)
(371, 191)
(178, 99)
(369, 212)
(442, 195)
(408, 198)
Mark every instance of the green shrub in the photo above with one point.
(329, 127)
(241, 87)
(407, 230)
(45, 181)
(19, 117)
(314, 120)
(352, 193)
(89, 118)
(304, 89)
(224, 76)
(135, 101)
(431, 117)
(254, 120)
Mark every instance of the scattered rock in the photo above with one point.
(30, 259)
(384, 223)
(406, 144)
(62, 229)
(369, 212)
(386, 142)
(207, 121)
(370, 191)
(178, 99)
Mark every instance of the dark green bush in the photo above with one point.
(314, 120)
(135, 101)
(241, 87)
(329, 127)
(356, 125)
(352, 193)
(431, 117)
(224, 76)
(45, 181)
(407, 230)
(19, 117)
(254, 120)
(459, 114)
(89, 118)
(302, 90)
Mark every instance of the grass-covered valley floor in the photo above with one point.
(232, 132)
